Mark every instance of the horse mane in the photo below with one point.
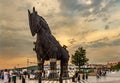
(44, 24)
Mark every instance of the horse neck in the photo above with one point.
(42, 34)
(39, 35)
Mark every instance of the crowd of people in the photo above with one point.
(100, 72)
(9, 76)
(84, 75)
(77, 76)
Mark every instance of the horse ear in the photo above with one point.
(29, 12)
(34, 9)
(35, 12)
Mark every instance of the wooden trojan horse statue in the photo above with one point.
(47, 47)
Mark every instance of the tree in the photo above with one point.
(116, 67)
(79, 58)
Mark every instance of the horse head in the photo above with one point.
(37, 22)
(33, 21)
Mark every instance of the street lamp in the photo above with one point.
(27, 64)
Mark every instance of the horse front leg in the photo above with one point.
(53, 62)
(39, 52)
(40, 70)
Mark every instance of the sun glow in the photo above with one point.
(88, 2)
(91, 10)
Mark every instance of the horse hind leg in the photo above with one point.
(64, 68)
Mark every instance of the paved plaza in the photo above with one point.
(112, 77)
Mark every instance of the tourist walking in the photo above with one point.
(10, 75)
(73, 78)
(83, 76)
(23, 79)
(6, 76)
(98, 74)
(9, 78)
(14, 77)
(76, 74)
(86, 76)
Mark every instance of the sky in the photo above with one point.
(93, 24)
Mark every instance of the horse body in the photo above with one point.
(48, 46)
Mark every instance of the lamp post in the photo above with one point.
(27, 64)
(86, 71)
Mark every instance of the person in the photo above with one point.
(25, 73)
(86, 76)
(28, 75)
(98, 74)
(0, 74)
(6, 76)
(19, 74)
(14, 77)
(23, 79)
(43, 74)
(78, 78)
(83, 76)
(73, 78)
(10, 74)
(48, 73)
(76, 74)
(9, 77)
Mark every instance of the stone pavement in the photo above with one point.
(113, 77)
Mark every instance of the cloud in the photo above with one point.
(90, 20)
(71, 41)
(15, 45)
(95, 8)
(116, 42)
(100, 51)
(103, 42)
(104, 54)
(14, 32)
(117, 36)
(107, 27)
